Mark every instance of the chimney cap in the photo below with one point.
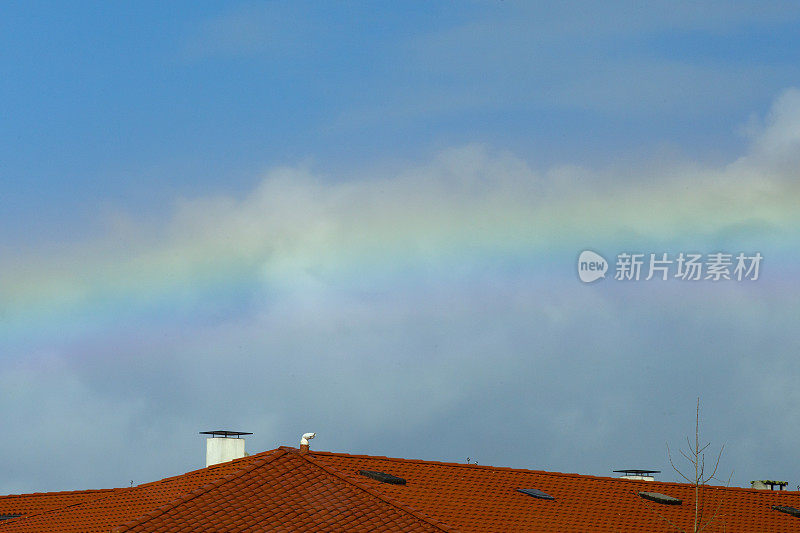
(638, 474)
(225, 433)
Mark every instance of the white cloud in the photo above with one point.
(777, 144)
(376, 309)
(299, 229)
(611, 64)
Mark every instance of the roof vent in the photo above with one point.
(9, 516)
(788, 510)
(383, 477)
(660, 498)
(223, 446)
(536, 493)
(638, 474)
(304, 441)
(768, 484)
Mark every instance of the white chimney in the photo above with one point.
(223, 446)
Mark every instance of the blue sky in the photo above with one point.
(135, 103)
(363, 217)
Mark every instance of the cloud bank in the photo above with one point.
(431, 311)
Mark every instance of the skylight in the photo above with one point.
(660, 498)
(788, 510)
(383, 477)
(536, 493)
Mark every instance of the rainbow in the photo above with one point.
(296, 233)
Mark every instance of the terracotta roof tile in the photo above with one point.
(115, 507)
(483, 498)
(285, 493)
(284, 490)
(37, 502)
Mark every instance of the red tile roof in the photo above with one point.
(118, 506)
(38, 502)
(485, 498)
(285, 490)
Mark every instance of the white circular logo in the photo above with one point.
(591, 266)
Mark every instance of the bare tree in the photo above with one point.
(698, 476)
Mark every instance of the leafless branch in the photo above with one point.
(695, 456)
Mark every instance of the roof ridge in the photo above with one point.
(447, 463)
(531, 471)
(58, 493)
(197, 491)
(246, 459)
(471, 466)
(109, 492)
(369, 490)
(64, 507)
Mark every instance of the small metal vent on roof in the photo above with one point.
(536, 493)
(383, 477)
(660, 498)
(788, 510)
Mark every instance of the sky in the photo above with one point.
(364, 219)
